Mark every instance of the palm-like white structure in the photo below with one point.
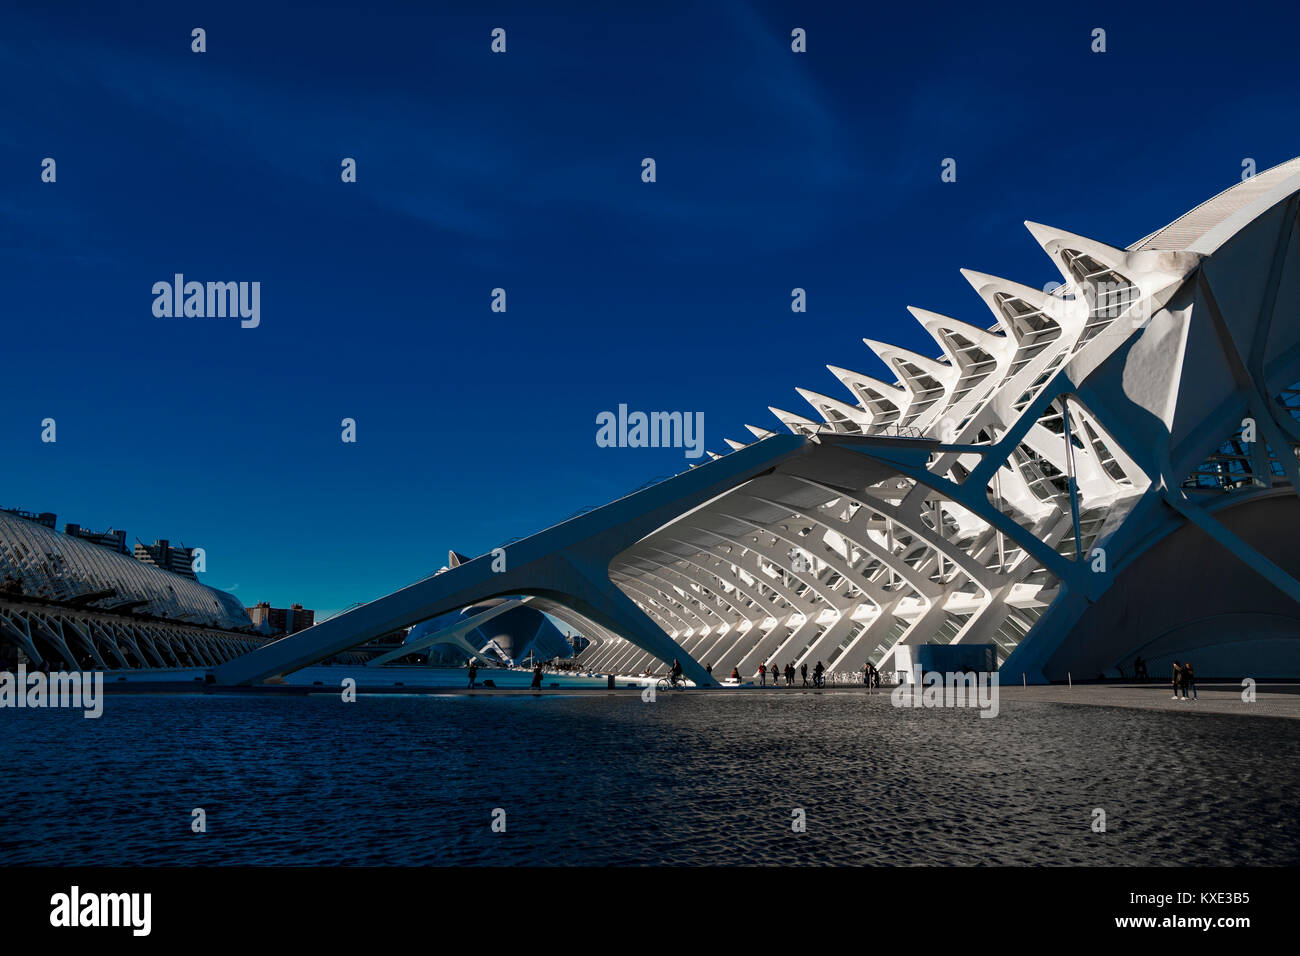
(1108, 469)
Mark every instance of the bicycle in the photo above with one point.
(671, 683)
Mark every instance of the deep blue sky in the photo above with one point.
(522, 171)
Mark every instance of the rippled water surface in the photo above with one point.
(706, 778)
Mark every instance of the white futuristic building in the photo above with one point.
(65, 602)
(1103, 471)
(498, 631)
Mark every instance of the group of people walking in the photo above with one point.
(776, 672)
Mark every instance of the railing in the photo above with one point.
(884, 431)
(651, 482)
(344, 611)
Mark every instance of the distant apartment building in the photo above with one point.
(279, 620)
(162, 555)
(114, 540)
(45, 518)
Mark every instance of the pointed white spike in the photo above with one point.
(1066, 313)
(1035, 297)
(885, 403)
(945, 372)
(760, 433)
(735, 445)
(937, 320)
(991, 342)
(866, 385)
(829, 408)
(1149, 272)
(796, 423)
(981, 283)
(932, 322)
(1054, 241)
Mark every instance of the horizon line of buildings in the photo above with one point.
(280, 620)
(176, 559)
(160, 554)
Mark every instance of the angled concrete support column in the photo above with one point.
(453, 634)
(567, 564)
